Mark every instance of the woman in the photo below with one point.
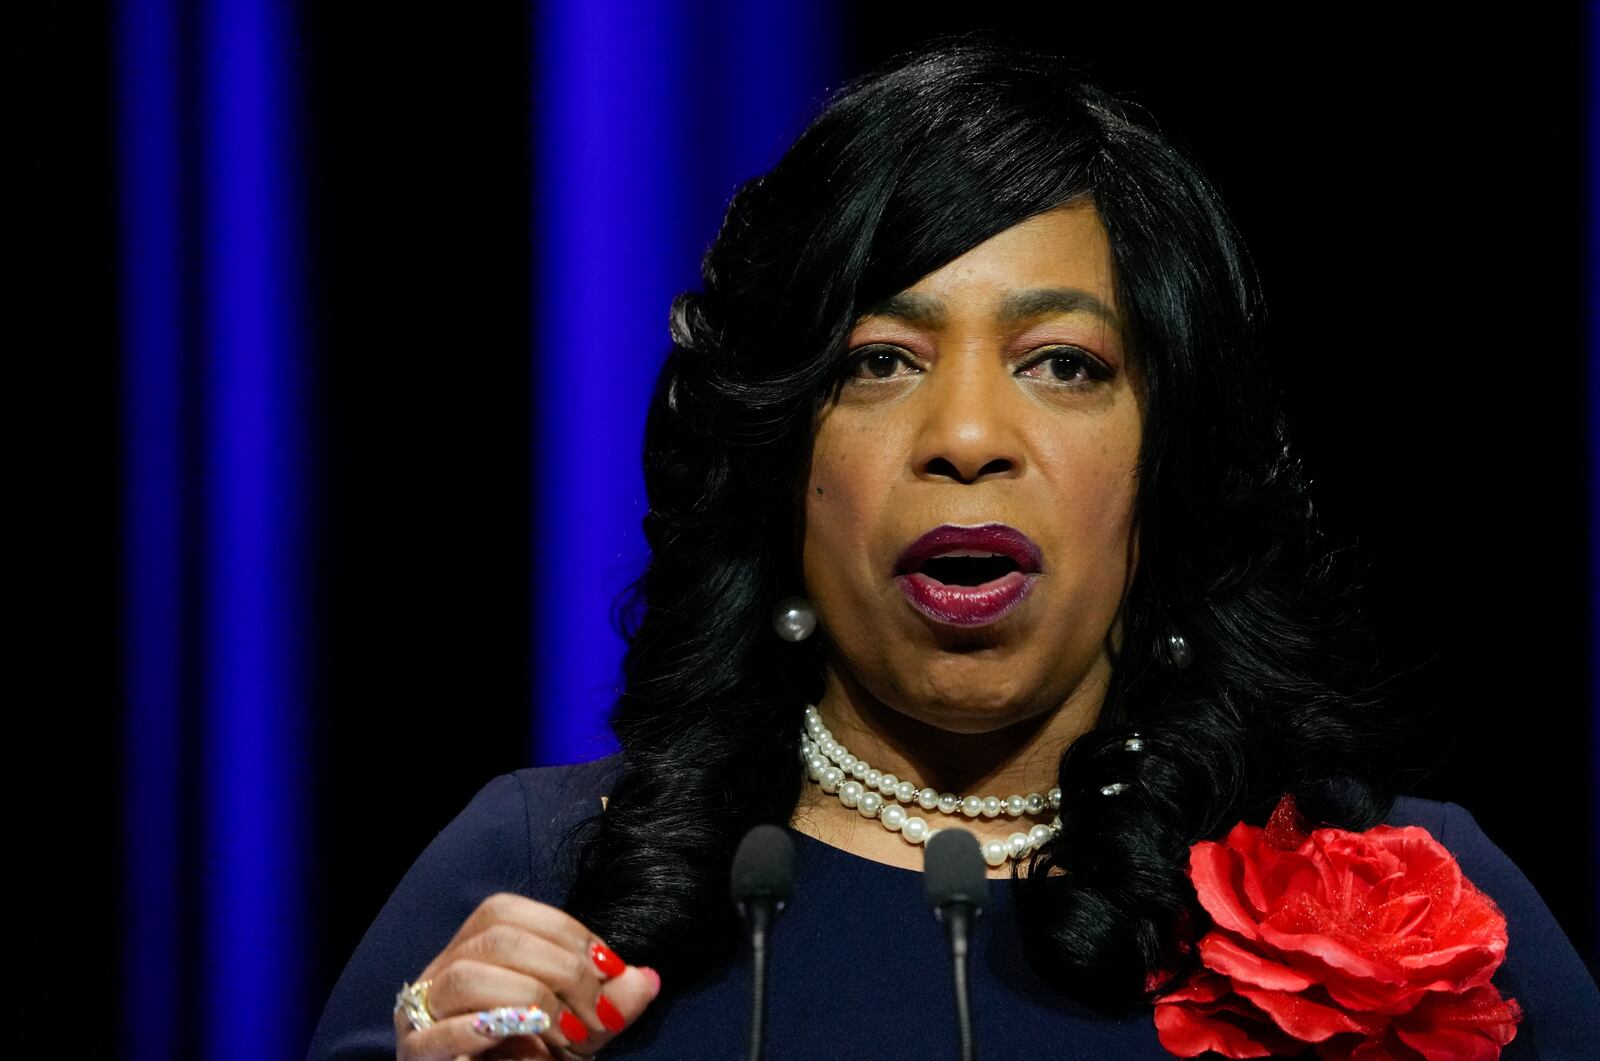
(962, 466)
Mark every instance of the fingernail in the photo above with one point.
(511, 1020)
(607, 962)
(573, 1028)
(609, 1015)
(654, 978)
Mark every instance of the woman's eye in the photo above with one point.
(1066, 364)
(878, 362)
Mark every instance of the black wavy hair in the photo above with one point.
(903, 171)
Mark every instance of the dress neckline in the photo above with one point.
(860, 863)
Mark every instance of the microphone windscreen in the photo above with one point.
(764, 865)
(953, 870)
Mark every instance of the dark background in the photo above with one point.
(1412, 187)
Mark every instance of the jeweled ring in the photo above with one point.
(413, 1002)
(511, 1020)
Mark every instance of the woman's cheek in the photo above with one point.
(838, 534)
(830, 514)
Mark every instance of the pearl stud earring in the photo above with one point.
(794, 619)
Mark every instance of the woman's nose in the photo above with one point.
(968, 431)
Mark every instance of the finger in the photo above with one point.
(536, 919)
(539, 918)
(620, 1003)
(452, 1037)
(573, 977)
(468, 986)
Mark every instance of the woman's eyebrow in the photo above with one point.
(911, 308)
(1036, 302)
(925, 310)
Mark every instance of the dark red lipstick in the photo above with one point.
(968, 576)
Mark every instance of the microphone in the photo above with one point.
(956, 885)
(762, 879)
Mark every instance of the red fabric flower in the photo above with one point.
(1363, 946)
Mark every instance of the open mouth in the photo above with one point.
(968, 576)
(968, 568)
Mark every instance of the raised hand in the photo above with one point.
(521, 979)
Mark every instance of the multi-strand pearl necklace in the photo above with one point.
(875, 794)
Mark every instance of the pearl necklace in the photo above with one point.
(875, 794)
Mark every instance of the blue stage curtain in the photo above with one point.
(216, 489)
(646, 118)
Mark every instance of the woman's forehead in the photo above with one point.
(1058, 261)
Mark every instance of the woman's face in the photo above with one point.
(994, 393)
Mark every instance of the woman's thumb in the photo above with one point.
(622, 999)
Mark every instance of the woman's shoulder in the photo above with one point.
(1480, 858)
(525, 812)
(507, 839)
(556, 799)
(524, 816)
(1413, 810)
(1542, 970)
(1442, 819)
(556, 792)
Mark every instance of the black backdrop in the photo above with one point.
(1411, 186)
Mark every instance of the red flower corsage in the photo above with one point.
(1362, 946)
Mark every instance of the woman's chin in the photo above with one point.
(977, 713)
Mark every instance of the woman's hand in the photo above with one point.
(514, 952)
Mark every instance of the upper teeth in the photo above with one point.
(966, 552)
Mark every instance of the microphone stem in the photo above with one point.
(957, 923)
(759, 915)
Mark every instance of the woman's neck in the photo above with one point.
(1015, 759)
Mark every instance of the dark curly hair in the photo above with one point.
(904, 171)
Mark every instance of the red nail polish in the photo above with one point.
(609, 1015)
(572, 1027)
(608, 963)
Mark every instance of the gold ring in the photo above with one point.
(413, 1002)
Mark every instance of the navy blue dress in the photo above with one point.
(859, 966)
